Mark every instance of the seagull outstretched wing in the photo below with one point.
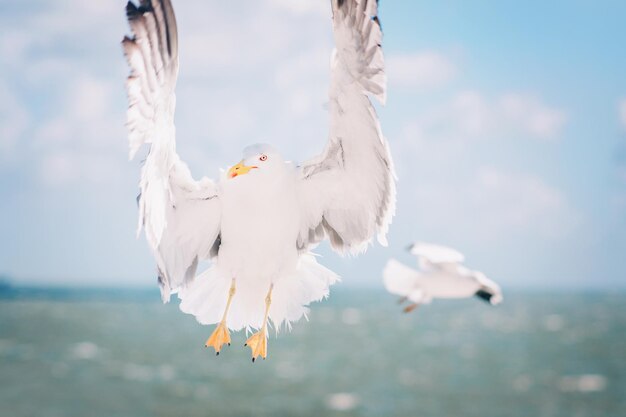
(348, 192)
(436, 257)
(180, 216)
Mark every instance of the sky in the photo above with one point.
(506, 121)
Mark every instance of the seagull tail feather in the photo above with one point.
(206, 296)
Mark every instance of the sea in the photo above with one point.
(121, 353)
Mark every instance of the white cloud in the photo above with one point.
(75, 17)
(266, 34)
(82, 169)
(86, 116)
(492, 204)
(303, 6)
(83, 143)
(64, 59)
(58, 169)
(621, 109)
(530, 114)
(262, 79)
(13, 46)
(519, 202)
(89, 99)
(14, 119)
(446, 155)
(53, 132)
(418, 71)
(472, 115)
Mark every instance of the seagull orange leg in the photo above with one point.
(220, 335)
(410, 307)
(258, 341)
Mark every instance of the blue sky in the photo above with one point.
(507, 122)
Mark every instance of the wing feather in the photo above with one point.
(348, 192)
(180, 216)
(431, 256)
(399, 279)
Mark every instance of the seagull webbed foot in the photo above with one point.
(218, 338)
(258, 344)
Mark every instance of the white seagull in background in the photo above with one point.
(258, 222)
(441, 275)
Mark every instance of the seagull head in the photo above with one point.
(259, 157)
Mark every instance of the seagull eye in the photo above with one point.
(263, 158)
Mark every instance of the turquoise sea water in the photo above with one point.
(124, 354)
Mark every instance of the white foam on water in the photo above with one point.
(553, 323)
(342, 401)
(522, 383)
(85, 350)
(181, 389)
(203, 391)
(407, 377)
(430, 338)
(351, 316)
(583, 383)
(324, 314)
(167, 372)
(6, 345)
(468, 351)
(288, 370)
(59, 369)
(135, 372)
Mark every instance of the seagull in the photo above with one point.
(258, 221)
(441, 275)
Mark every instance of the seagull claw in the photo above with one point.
(258, 344)
(410, 307)
(218, 338)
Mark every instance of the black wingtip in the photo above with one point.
(133, 11)
(127, 41)
(484, 295)
(340, 3)
(377, 21)
(168, 35)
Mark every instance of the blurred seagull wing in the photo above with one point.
(436, 253)
(399, 279)
(436, 257)
(348, 192)
(180, 216)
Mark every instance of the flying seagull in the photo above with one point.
(441, 275)
(258, 222)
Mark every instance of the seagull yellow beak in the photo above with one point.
(239, 169)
